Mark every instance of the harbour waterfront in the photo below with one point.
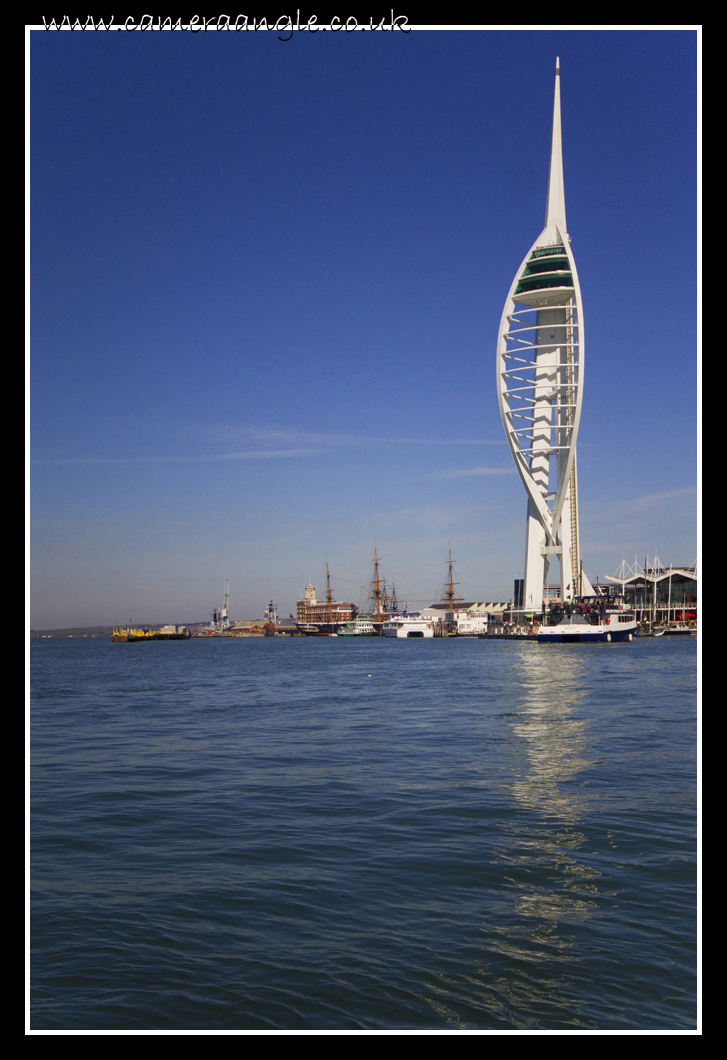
(374, 833)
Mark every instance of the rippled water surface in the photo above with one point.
(337, 833)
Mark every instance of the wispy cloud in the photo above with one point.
(267, 434)
(467, 471)
(677, 501)
(254, 454)
(306, 443)
(637, 523)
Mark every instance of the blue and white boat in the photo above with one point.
(588, 620)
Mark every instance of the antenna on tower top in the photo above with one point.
(555, 208)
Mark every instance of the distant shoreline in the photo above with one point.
(96, 631)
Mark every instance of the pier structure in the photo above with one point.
(540, 360)
(660, 596)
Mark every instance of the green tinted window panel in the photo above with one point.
(552, 265)
(547, 252)
(564, 280)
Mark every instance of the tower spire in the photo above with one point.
(555, 209)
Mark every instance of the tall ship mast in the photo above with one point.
(329, 597)
(376, 590)
(540, 359)
(449, 592)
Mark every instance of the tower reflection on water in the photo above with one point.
(540, 843)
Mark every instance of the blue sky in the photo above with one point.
(266, 281)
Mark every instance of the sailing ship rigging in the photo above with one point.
(449, 594)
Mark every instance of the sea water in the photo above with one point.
(363, 833)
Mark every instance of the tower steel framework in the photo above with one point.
(540, 357)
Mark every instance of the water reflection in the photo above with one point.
(554, 733)
(540, 846)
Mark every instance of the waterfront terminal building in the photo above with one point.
(660, 595)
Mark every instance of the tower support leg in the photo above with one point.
(535, 562)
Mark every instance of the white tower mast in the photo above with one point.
(540, 389)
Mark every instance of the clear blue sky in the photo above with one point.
(266, 281)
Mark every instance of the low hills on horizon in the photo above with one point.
(106, 631)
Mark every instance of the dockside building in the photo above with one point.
(313, 611)
(661, 594)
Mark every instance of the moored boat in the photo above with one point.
(680, 629)
(407, 624)
(309, 629)
(589, 620)
(130, 635)
(362, 626)
(648, 630)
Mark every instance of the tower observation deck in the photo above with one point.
(540, 357)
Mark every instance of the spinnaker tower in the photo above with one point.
(540, 390)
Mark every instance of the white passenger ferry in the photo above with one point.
(407, 624)
(589, 619)
(362, 626)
